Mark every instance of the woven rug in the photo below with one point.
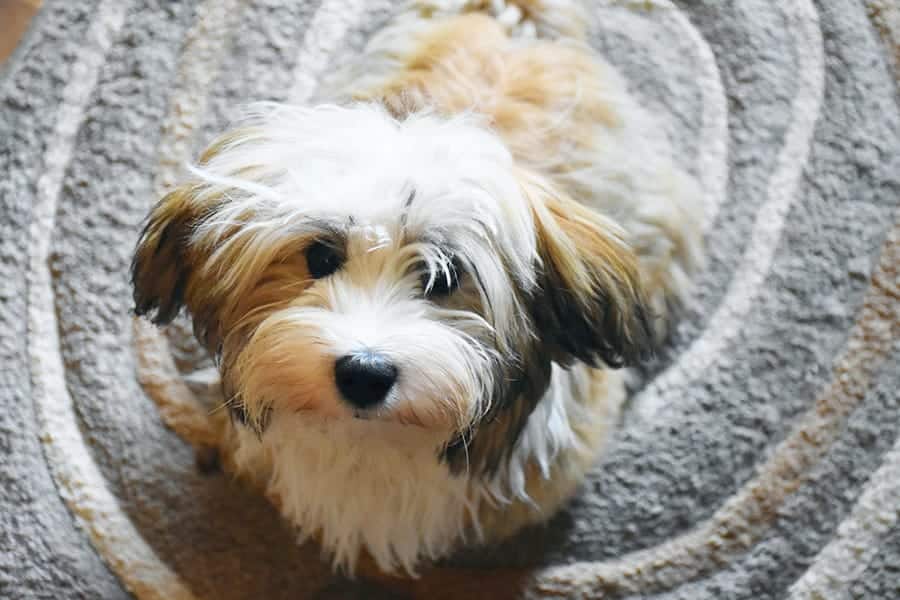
(758, 457)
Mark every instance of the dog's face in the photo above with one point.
(338, 261)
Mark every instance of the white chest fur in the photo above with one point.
(362, 485)
(376, 486)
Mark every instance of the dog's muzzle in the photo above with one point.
(364, 378)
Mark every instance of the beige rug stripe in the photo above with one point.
(858, 538)
(885, 15)
(712, 158)
(741, 521)
(326, 32)
(133, 561)
(712, 163)
(78, 480)
(205, 45)
(199, 65)
(726, 322)
(845, 559)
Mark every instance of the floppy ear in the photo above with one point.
(588, 301)
(164, 265)
(165, 269)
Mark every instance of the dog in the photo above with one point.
(421, 288)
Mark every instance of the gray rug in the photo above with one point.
(759, 458)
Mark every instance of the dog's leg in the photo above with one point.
(664, 230)
(177, 400)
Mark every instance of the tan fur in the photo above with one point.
(229, 292)
(587, 249)
(554, 106)
(544, 98)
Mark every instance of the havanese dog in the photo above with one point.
(420, 289)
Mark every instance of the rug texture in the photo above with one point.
(758, 458)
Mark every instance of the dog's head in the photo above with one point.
(337, 260)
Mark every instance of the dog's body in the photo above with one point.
(413, 319)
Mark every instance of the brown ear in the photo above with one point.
(166, 264)
(589, 299)
(163, 262)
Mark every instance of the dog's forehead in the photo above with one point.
(358, 167)
(419, 175)
(408, 201)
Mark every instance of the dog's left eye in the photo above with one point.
(323, 259)
(444, 283)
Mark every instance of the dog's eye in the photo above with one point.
(323, 259)
(444, 282)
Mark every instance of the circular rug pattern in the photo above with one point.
(759, 456)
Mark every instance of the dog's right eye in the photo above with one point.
(323, 259)
(443, 283)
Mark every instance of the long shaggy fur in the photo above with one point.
(506, 228)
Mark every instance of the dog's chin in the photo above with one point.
(390, 414)
(383, 424)
(406, 417)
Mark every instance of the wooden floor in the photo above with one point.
(15, 15)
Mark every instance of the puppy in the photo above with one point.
(418, 290)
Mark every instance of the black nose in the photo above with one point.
(364, 378)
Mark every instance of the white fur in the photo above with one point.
(358, 162)
(375, 484)
(359, 485)
(363, 485)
